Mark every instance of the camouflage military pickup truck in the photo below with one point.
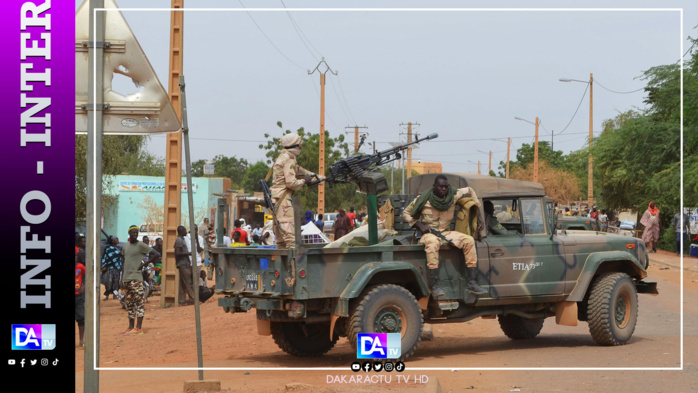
(308, 298)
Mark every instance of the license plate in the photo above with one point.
(253, 282)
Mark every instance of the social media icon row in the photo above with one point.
(377, 366)
(32, 362)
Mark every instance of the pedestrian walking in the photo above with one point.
(650, 219)
(112, 267)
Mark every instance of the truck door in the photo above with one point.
(523, 259)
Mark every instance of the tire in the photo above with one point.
(518, 328)
(303, 340)
(612, 309)
(388, 309)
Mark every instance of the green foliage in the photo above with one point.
(120, 154)
(336, 196)
(254, 173)
(224, 166)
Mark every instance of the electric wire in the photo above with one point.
(576, 110)
(269, 39)
(302, 35)
(617, 92)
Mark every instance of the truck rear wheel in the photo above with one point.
(388, 309)
(518, 328)
(612, 309)
(304, 340)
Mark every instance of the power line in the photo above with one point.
(617, 92)
(269, 39)
(301, 35)
(576, 110)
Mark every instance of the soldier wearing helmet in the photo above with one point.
(284, 183)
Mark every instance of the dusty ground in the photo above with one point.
(231, 341)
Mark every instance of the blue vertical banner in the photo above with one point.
(37, 68)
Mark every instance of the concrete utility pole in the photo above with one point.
(321, 161)
(408, 166)
(478, 167)
(490, 169)
(356, 137)
(535, 155)
(173, 165)
(508, 148)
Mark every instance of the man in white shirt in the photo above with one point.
(226, 238)
(199, 247)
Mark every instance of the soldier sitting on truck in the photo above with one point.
(432, 212)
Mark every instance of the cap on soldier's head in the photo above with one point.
(290, 141)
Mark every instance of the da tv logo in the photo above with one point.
(378, 346)
(33, 337)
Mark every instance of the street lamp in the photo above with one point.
(535, 149)
(590, 190)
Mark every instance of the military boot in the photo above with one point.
(472, 282)
(436, 291)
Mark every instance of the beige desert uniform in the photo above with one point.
(441, 221)
(284, 183)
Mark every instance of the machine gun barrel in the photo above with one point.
(352, 168)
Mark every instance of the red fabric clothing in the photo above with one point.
(351, 216)
(594, 215)
(652, 211)
(243, 235)
(79, 276)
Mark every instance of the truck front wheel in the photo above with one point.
(612, 309)
(305, 340)
(388, 309)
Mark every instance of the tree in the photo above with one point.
(337, 195)
(558, 183)
(120, 154)
(254, 173)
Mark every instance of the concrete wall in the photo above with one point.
(134, 195)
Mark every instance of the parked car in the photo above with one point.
(577, 223)
(329, 219)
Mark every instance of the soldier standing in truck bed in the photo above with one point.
(284, 184)
(434, 209)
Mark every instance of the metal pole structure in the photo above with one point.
(535, 155)
(372, 207)
(173, 165)
(508, 148)
(321, 160)
(192, 229)
(392, 173)
(590, 191)
(95, 124)
(356, 139)
(403, 175)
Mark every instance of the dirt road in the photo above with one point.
(231, 341)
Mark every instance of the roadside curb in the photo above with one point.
(690, 264)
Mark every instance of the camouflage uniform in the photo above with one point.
(284, 183)
(441, 221)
